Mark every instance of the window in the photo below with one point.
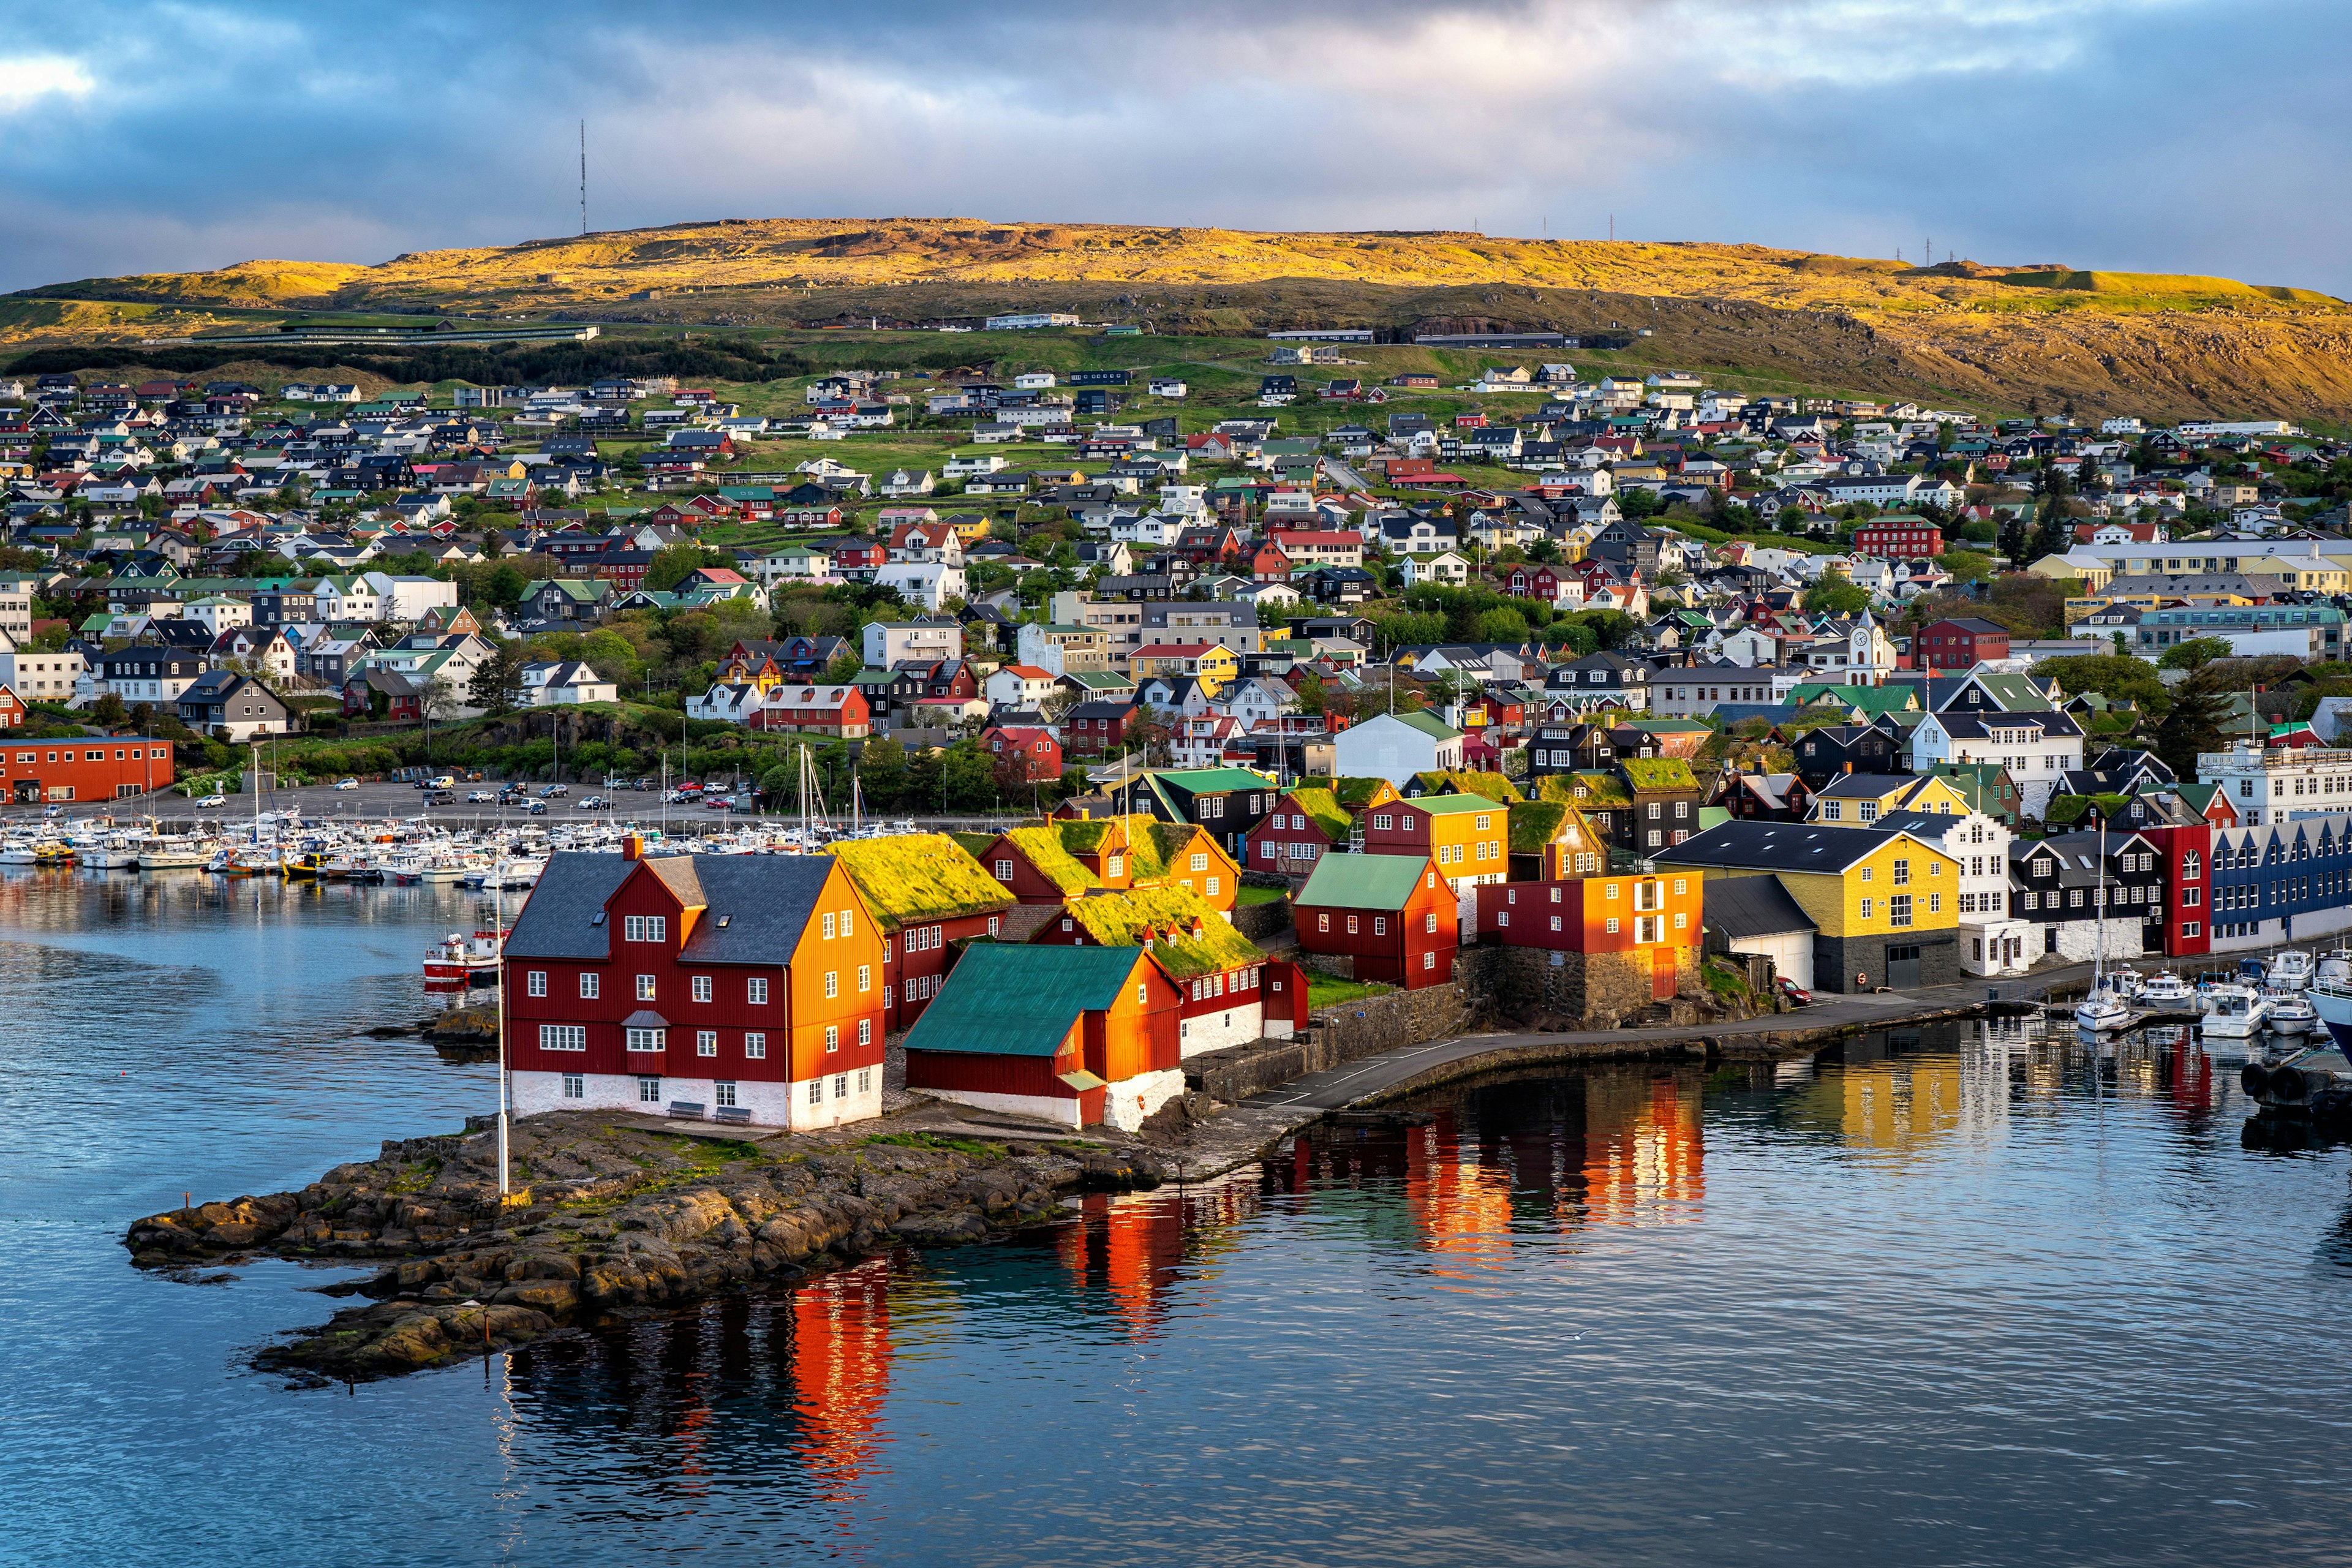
(702, 988)
(1609, 925)
(865, 1080)
(645, 987)
(830, 932)
(755, 1046)
(1351, 925)
(1322, 922)
(575, 1086)
(1200, 862)
(1005, 870)
(864, 1031)
(645, 928)
(536, 984)
(649, 1090)
(1406, 823)
(1902, 873)
(647, 1039)
(1379, 925)
(1866, 908)
(1114, 866)
(817, 1091)
(723, 1093)
(833, 1036)
(833, 982)
(588, 986)
(755, 991)
(1428, 961)
(1935, 903)
(1898, 910)
(1649, 928)
(841, 1086)
(847, 926)
(563, 1037)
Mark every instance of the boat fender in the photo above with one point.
(2289, 1086)
(2255, 1079)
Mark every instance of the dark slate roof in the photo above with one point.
(1777, 846)
(555, 919)
(1972, 726)
(1753, 906)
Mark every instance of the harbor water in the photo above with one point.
(1964, 1296)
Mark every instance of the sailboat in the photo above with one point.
(2103, 1010)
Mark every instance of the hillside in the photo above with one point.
(2041, 334)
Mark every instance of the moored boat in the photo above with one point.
(460, 959)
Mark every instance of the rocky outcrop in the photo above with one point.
(616, 1221)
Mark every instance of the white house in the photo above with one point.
(1445, 568)
(2038, 749)
(888, 644)
(567, 680)
(408, 598)
(1019, 686)
(1993, 939)
(930, 583)
(1395, 746)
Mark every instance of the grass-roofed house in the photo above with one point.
(1621, 942)
(1066, 857)
(1220, 976)
(1467, 835)
(1074, 1036)
(925, 894)
(1664, 798)
(1462, 780)
(1305, 824)
(735, 986)
(1551, 840)
(1391, 917)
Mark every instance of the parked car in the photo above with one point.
(689, 788)
(554, 792)
(534, 807)
(482, 796)
(717, 801)
(1797, 994)
(211, 801)
(347, 783)
(678, 797)
(594, 802)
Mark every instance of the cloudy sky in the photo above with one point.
(2149, 135)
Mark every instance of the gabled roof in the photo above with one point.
(1119, 919)
(1363, 881)
(1322, 807)
(1801, 846)
(1651, 773)
(1754, 907)
(915, 877)
(1020, 1001)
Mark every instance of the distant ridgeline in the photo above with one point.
(523, 363)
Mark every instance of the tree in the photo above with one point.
(883, 772)
(844, 668)
(2193, 725)
(672, 563)
(496, 686)
(437, 698)
(2113, 675)
(1834, 593)
(109, 711)
(2194, 654)
(2012, 538)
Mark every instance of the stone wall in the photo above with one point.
(1348, 1032)
(1258, 921)
(1592, 991)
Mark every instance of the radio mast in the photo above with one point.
(583, 178)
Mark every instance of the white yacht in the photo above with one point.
(2233, 1014)
(2331, 994)
(2289, 971)
(2290, 1013)
(2102, 1011)
(2167, 992)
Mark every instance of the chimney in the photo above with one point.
(633, 847)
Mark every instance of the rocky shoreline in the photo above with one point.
(620, 1217)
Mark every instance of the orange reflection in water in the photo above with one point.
(841, 1373)
(1644, 1154)
(1463, 1211)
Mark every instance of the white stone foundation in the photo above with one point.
(2079, 940)
(770, 1104)
(1215, 1031)
(1044, 1108)
(1127, 1103)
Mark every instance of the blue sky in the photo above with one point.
(2151, 136)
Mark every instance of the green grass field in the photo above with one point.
(1325, 992)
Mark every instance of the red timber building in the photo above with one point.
(1076, 1035)
(840, 711)
(747, 986)
(926, 895)
(2185, 856)
(82, 767)
(1393, 915)
(1899, 537)
(1311, 822)
(1960, 644)
(1638, 935)
(1220, 975)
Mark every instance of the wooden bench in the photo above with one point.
(734, 1113)
(687, 1110)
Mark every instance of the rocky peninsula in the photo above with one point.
(617, 1215)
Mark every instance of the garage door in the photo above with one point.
(1903, 966)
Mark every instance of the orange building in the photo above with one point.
(1467, 835)
(1647, 926)
(1068, 858)
(1078, 1035)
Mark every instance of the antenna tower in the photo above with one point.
(583, 178)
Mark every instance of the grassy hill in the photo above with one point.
(2042, 335)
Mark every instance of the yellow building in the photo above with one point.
(1857, 800)
(1212, 663)
(1884, 906)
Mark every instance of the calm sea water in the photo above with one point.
(1956, 1300)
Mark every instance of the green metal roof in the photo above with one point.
(1363, 882)
(1008, 1001)
(1428, 724)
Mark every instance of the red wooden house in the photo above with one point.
(734, 987)
(1533, 581)
(1026, 755)
(1393, 916)
(1960, 644)
(853, 556)
(1094, 728)
(1074, 1036)
(1219, 974)
(1647, 927)
(840, 711)
(1899, 537)
(1305, 824)
(925, 894)
(12, 708)
(1269, 564)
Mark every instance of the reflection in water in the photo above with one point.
(841, 1374)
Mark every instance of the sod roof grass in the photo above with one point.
(916, 877)
(1119, 919)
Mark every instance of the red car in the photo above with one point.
(1797, 994)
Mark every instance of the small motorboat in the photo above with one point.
(2102, 1011)
(2168, 991)
(2291, 1012)
(460, 959)
(2233, 1016)
(2289, 971)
